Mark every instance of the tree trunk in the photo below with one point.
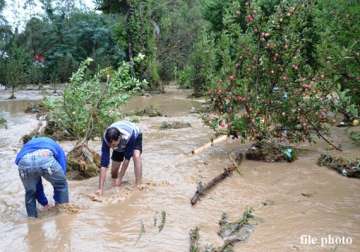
(12, 93)
(129, 32)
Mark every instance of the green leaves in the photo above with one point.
(268, 83)
(90, 104)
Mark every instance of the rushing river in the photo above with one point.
(291, 200)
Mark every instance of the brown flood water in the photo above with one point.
(331, 205)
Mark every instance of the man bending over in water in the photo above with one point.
(40, 158)
(125, 138)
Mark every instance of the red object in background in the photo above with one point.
(39, 57)
(249, 18)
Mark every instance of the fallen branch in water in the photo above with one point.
(202, 190)
(209, 144)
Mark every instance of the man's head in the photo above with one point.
(112, 137)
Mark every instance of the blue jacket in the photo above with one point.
(43, 143)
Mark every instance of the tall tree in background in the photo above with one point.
(268, 83)
(13, 68)
(64, 37)
(138, 30)
(180, 24)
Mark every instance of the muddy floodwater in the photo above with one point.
(299, 206)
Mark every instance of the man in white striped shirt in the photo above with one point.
(125, 138)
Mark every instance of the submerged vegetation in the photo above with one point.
(229, 232)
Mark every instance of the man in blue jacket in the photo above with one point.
(42, 157)
(125, 138)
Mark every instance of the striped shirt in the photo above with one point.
(129, 133)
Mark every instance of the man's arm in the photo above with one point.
(40, 195)
(105, 160)
(102, 178)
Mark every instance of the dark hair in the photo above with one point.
(112, 134)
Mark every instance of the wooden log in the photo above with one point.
(209, 144)
(202, 190)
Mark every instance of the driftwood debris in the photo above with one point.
(203, 189)
(209, 144)
(348, 168)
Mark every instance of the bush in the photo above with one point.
(90, 105)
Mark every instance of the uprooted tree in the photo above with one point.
(269, 85)
(89, 104)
